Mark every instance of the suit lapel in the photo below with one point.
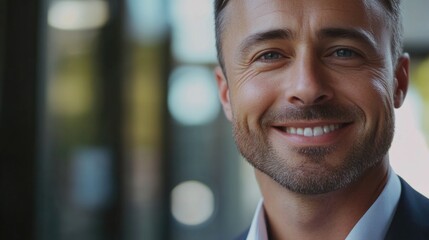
(243, 235)
(411, 220)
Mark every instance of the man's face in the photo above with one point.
(310, 88)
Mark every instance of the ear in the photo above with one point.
(223, 89)
(402, 79)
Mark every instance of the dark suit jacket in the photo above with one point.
(411, 219)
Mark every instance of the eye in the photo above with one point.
(345, 53)
(270, 56)
(346, 56)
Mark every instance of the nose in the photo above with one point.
(308, 85)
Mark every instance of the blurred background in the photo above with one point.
(111, 126)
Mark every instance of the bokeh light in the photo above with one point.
(192, 203)
(192, 97)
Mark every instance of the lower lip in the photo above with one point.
(322, 140)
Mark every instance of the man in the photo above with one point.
(310, 88)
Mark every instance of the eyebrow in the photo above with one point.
(260, 37)
(349, 33)
(286, 34)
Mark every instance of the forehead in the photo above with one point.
(242, 17)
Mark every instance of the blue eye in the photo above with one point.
(269, 56)
(345, 53)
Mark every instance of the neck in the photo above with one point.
(323, 216)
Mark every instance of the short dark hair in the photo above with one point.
(392, 7)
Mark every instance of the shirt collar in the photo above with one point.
(376, 221)
(372, 225)
(258, 228)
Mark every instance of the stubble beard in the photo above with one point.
(366, 152)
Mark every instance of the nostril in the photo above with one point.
(296, 100)
(305, 101)
(320, 99)
(309, 91)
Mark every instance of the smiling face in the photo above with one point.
(310, 88)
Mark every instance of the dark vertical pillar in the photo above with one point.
(111, 82)
(19, 106)
(166, 168)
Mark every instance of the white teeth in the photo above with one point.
(308, 132)
(315, 131)
(326, 129)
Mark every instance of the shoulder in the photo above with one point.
(411, 216)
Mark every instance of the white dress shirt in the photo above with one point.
(373, 225)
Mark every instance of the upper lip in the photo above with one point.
(310, 124)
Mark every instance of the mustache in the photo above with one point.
(313, 112)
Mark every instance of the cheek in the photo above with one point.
(383, 92)
(253, 97)
(375, 98)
